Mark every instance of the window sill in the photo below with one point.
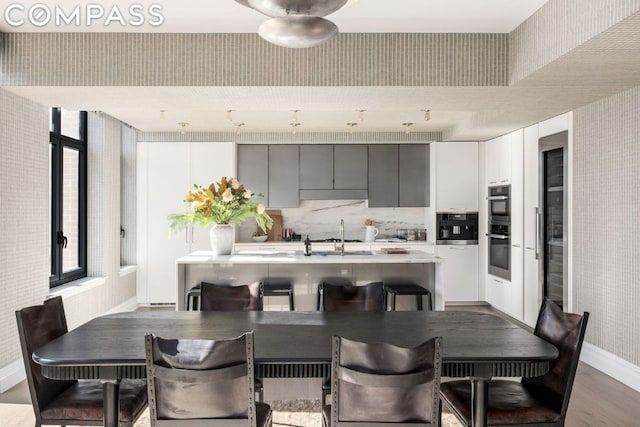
(125, 270)
(77, 286)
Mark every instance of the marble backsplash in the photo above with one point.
(320, 219)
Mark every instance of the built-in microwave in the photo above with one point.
(499, 204)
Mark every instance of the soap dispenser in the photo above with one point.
(307, 246)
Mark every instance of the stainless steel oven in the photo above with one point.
(499, 235)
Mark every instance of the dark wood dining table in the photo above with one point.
(298, 345)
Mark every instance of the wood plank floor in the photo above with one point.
(597, 399)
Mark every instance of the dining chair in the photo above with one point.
(347, 297)
(57, 402)
(203, 382)
(384, 385)
(231, 298)
(534, 401)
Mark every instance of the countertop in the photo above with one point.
(297, 257)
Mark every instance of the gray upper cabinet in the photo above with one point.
(316, 167)
(413, 175)
(253, 169)
(383, 175)
(350, 167)
(283, 176)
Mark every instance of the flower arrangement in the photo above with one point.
(225, 202)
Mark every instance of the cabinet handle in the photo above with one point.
(455, 248)
(530, 248)
(503, 181)
(191, 234)
(493, 182)
(538, 230)
(498, 281)
(457, 209)
(516, 246)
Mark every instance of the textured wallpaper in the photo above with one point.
(24, 214)
(606, 205)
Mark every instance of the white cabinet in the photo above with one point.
(517, 218)
(166, 172)
(498, 160)
(460, 272)
(498, 293)
(456, 176)
(531, 284)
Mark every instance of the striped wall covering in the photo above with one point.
(351, 59)
(128, 194)
(557, 28)
(24, 213)
(289, 138)
(606, 206)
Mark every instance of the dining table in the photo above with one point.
(298, 345)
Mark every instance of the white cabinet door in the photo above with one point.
(532, 290)
(208, 162)
(460, 272)
(515, 301)
(498, 160)
(498, 293)
(517, 189)
(457, 176)
(166, 184)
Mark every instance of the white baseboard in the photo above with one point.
(612, 365)
(129, 305)
(11, 375)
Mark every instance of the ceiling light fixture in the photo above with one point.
(407, 127)
(351, 125)
(230, 115)
(238, 128)
(296, 23)
(294, 127)
(183, 127)
(361, 115)
(427, 115)
(295, 115)
(162, 115)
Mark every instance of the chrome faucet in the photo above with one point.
(342, 237)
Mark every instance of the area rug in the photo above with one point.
(299, 413)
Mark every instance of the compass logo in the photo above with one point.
(89, 15)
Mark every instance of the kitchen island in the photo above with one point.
(305, 272)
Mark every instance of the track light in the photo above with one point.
(427, 115)
(183, 127)
(238, 128)
(162, 115)
(230, 115)
(351, 125)
(407, 127)
(294, 127)
(294, 116)
(361, 115)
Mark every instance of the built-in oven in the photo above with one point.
(499, 236)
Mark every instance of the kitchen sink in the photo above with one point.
(325, 253)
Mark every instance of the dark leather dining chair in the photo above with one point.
(341, 297)
(384, 385)
(536, 401)
(231, 298)
(68, 402)
(203, 382)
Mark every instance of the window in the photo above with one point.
(68, 189)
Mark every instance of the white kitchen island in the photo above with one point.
(305, 272)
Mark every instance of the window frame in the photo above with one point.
(57, 143)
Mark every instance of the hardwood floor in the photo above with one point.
(597, 399)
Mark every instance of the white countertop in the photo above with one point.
(296, 257)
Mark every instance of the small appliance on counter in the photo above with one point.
(457, 228)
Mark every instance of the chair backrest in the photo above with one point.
(231, 298)
(565, 331)
(369, 297)
(385, 384)
(191, 380)
(37, 326)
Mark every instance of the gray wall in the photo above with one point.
(606, 205)
(24, 223)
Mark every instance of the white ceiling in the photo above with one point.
(228, 16)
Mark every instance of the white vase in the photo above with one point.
(221, 237)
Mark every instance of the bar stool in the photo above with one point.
(192, 298)
(408, 289)
(279, 287)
